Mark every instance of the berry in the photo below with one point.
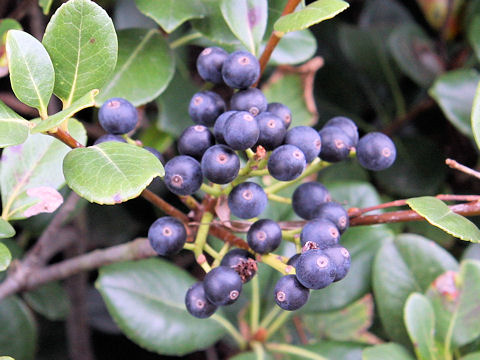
(242, 262)
(167, 235)
(334, 212)
(341, 258)
(109, 137)
(293, 260)
(194, 141)
(241, 131)
(118, 116)
(322, 232)
(251, 100)
(222, 286)
(219, 127)
(247, 200)
(240, 70)
(155, 152)
(376, 151)
(315, 270)
(282, 111)
(183, 175)
(307, 197)
(205, 107)
(209, 64)
(336, 144)
(286, 163)
(272, 130)
(197, 303)
(264, 236)
(220, 164)
(306, 139)
(290, 294)
(347, 125)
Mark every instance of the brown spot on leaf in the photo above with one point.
(445, 284)
(117, 198)
(92, 41)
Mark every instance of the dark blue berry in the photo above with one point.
(209, 64)
(315, 270)
(341, 258)
(109, 137)
(219, 127)
(264, 236)
(220, 164)
(336, 144)
(251, 100)
(272, 130)
(205, 107)
(197, 303)
(222, 286)
(347, 125)
(183, 175)
(376, 151)
(118, 116)
(290, 294)
(167, 235)
(155, 152)
(240, 70)
(282, 111)
(322, 232)
(194, 141)
(293, 260)
(242, 262)
(307, 197)
(286, 163)
(306, 139)
(334, 212)
(247, 200)
(241, 131)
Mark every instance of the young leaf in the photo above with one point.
(146, 299)
(314, 13)
(437, 213)
(123, 170)
(31, 70)
(5, 256)
(50, 300)
(145, 67)
(14, 129)
(82, 43)
(390, 351)
(6, 230)
(475, 118)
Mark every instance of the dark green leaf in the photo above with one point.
(144, 69)
(474, 35)
(408, 264)
(386, 14)
(6, 230)
(250, 355)
(50, 300)
(170, 14)
(333, 350)
(82, 43)
(438, 213)
(18, 338)
(353, 193)
(348, 170)
(293, 48)
(45, 5)
(146, 299)
(390, 351)
(5, 256)
(314, 13)
(123, 170)
(475, 117)
(454, 92)
(14, 129)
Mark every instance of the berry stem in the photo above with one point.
(250, 154)
(272, 314)
(211, 190)
(211, 251)
(189, 246)
(278, 323)
(183, 40)
(255, 305)
(293, 350)
(221, 254)
(201, 238)
(260, 172)
(227, 325)
(258, 349)
(279, 199)
(277, 262)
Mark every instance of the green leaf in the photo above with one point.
(358, 194)
(406, 265)
(50, 300)
(390, 351)
(45, 5)
(6, 230)
(437, 213)
(333, 350)
(31, 70)
(37, 163)
(6, 358)
(473, 34)
(294, 48)
(475, 117)
(170, 14)
(454, 297)
(82, 43)
(85, 101)
(247, 19)
(18, 339)
(14, 129)
(314, 13)
(471, 356)
(420, 323)
(5, 25)
(146, 300)
(250, 355)
(144, 69)
(5, 256)
(122, 170)
(454, 92)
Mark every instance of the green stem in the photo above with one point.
(279, 199)
(273, 261)
(260, 172)
(449, 335)
(201, 238)
(255, 306)
(273, 313)
(258, 349)
(189, 246)
(211, 190)
(293, 350)
(250, 154)
(211, 251)
(278, 323)
(185, 40)
(227, 325)
(221, 254)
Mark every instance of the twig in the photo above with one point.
(163, 205)
(457, 166)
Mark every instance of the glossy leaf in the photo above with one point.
(406, 265)
(123, 170)
(358, 194)
(6, 358)
(170, 14)
(334, 350)
(82, 43)
(475, 117)
(473, 34)
(5, 25)
(5, 257)
(144, 69)
(390, 351)
(14, 129)
(314, 13)
(294, 48)
(6, 230)
(437, 213)
(18, 339)
(454, 92)
(45, 5)
(50, 300)
(31, 70)
(146, 299)
(35, 164)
